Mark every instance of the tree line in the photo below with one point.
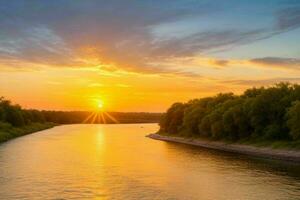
(15, 116)
(78, 117)
(265, 113)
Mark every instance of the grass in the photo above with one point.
(7, 131)
(274, 144)
(259, 142)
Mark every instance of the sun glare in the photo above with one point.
(100, 115)
(100, 105)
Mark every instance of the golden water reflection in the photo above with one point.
(118, 162)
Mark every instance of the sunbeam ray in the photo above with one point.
(94, 118)
(111, 117)
(99, 121)
(103, 118)
(88, 118)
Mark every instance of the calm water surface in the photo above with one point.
(119, 162)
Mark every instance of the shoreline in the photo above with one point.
(263, 152)
(10, 133)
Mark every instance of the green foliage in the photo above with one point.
(205, 126)
(293, 122)
(174, 118)
(235, 121)
(259, 113)
(7, 131)
(193, 114)
(15, 115)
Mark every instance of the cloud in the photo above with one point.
(288, 18)
(118, 35)
(286, 63)
(221, 62)
(262, 82)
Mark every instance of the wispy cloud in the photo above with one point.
(261, 82)
(285, 63)
(119, 35)
(288, 18)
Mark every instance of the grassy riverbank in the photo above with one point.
(272, 144)
(281, 151)
(8, 131)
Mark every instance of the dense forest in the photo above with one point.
(15, 121)
(271, 113)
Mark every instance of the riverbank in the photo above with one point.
(288, 155)
(8, 132)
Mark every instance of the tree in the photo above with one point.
(2, 111)
(293, 120)
(193, 114)
(259, 113)
(175, 117)
(14, 116)
(236, 123)
(205, 126)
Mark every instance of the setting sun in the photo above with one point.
(100, 105)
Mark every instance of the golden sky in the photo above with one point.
(143, 56)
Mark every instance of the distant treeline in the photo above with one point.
(18, 117)
(78, 117)
(271, 113)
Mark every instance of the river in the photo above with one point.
(119, 162)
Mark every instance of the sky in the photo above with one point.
(143, 55)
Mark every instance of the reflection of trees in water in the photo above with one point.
(227, 161)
